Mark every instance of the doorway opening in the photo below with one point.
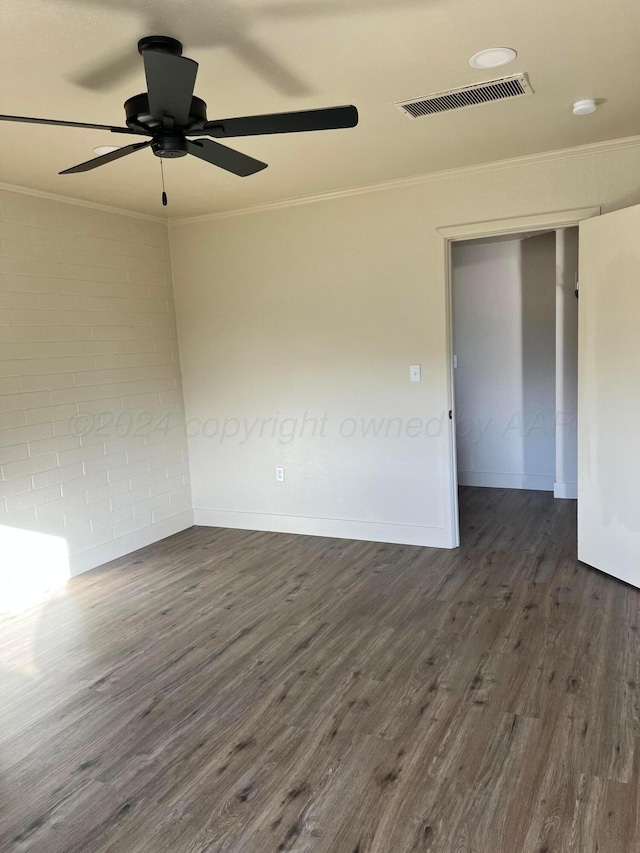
(450, 235)
(514, 318)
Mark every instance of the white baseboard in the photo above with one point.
(565, 490)
(94, 557)
(337, 528)
(537, 482)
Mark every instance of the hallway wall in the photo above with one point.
(504, 338)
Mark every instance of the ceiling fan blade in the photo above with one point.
(107, 72)
(28, 120)
(225, 158)
(267, 66)
(170, 82)
(330, 118)
(106, 158)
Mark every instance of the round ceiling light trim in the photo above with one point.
(105, 149)
(492, 57)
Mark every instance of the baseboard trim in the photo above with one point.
(336, 528)
(84, 561)
(566, 490)
(537, 482)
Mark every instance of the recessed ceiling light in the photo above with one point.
(492, 57)
(105, 149)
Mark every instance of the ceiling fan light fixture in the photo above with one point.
(105, 149)
(492, 57)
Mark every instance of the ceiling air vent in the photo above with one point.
(467, 96)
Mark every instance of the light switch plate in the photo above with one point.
(415, 373)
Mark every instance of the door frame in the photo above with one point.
(450, 234)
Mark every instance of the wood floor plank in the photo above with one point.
(226, 691)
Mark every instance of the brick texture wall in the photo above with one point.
(92, 444)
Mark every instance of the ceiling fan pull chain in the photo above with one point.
(164, 195)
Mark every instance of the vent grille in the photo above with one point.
(467, 96)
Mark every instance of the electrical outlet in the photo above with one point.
(280, 475)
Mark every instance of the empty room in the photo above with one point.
(319, 393)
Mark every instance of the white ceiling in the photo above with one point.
(77, 60)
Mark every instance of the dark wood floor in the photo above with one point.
(237, 691)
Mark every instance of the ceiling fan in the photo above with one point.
(169, 113)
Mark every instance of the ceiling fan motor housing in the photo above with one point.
(139, 116)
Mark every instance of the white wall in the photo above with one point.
(307, 315)
(504, 302)
(92, 445)
(566, 481)
(275, 326)
(320, 308)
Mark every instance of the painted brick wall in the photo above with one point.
(92, 443)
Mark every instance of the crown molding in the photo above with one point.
(415, 180)
(382, 186)
(13, 188)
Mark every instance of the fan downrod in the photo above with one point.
(165, 44)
